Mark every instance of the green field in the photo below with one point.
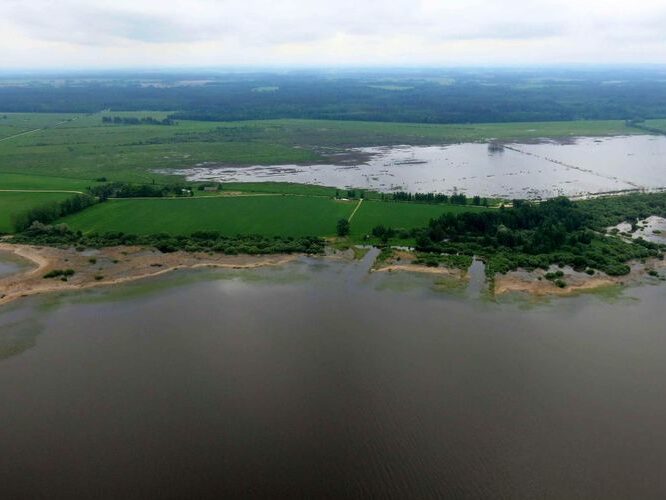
(17, 123)
(656, 124)
(399, 215)
(269, 215)
(85, 148)
(42, 182)
(12, 203)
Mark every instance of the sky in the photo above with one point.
(61, 34)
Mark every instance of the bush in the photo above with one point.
(64, 274)
(61, 235)
(343, 227)
(617, 270)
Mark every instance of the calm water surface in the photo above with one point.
(320, 380)
(586, 165)
(10, 264)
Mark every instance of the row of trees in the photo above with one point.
(132, 120)
(454, 199)
(352, 194)
(201, 241)
(127, 190)
(50, 212)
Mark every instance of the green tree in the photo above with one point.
(343, 227)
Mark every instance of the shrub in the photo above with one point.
(343, 227)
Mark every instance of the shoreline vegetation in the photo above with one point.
(556, 246)
(56, 269)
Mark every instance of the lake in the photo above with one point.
(540, 170)
(318, 379)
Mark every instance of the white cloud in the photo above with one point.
(209, 32)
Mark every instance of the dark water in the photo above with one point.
(318, 380)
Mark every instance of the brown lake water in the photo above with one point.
(318, 379)
(546, 169)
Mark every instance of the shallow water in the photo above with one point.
(318, 379)
(546, 169)
(9, 264)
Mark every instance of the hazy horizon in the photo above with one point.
(123, 34)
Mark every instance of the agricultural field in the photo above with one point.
(42, 182)
(267, 215)
(399, 215)
(13, 203)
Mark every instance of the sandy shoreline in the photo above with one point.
(529, 282)
(110, 266)
(116, 265)
(535, 283)
(417, 268)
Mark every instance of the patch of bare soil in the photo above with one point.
(535, 283)
(403, 260)
(109, 266)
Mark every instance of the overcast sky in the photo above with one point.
(152, 33)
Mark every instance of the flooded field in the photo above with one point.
(545, 169)
(318, 379)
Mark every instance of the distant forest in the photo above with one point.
(421, 96)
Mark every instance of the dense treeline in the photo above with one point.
(201, 241)
(454, 199)
(50, 212)
(132, 120)
(611, 210)
(127, 190)
(427, 96)
(533, 235)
